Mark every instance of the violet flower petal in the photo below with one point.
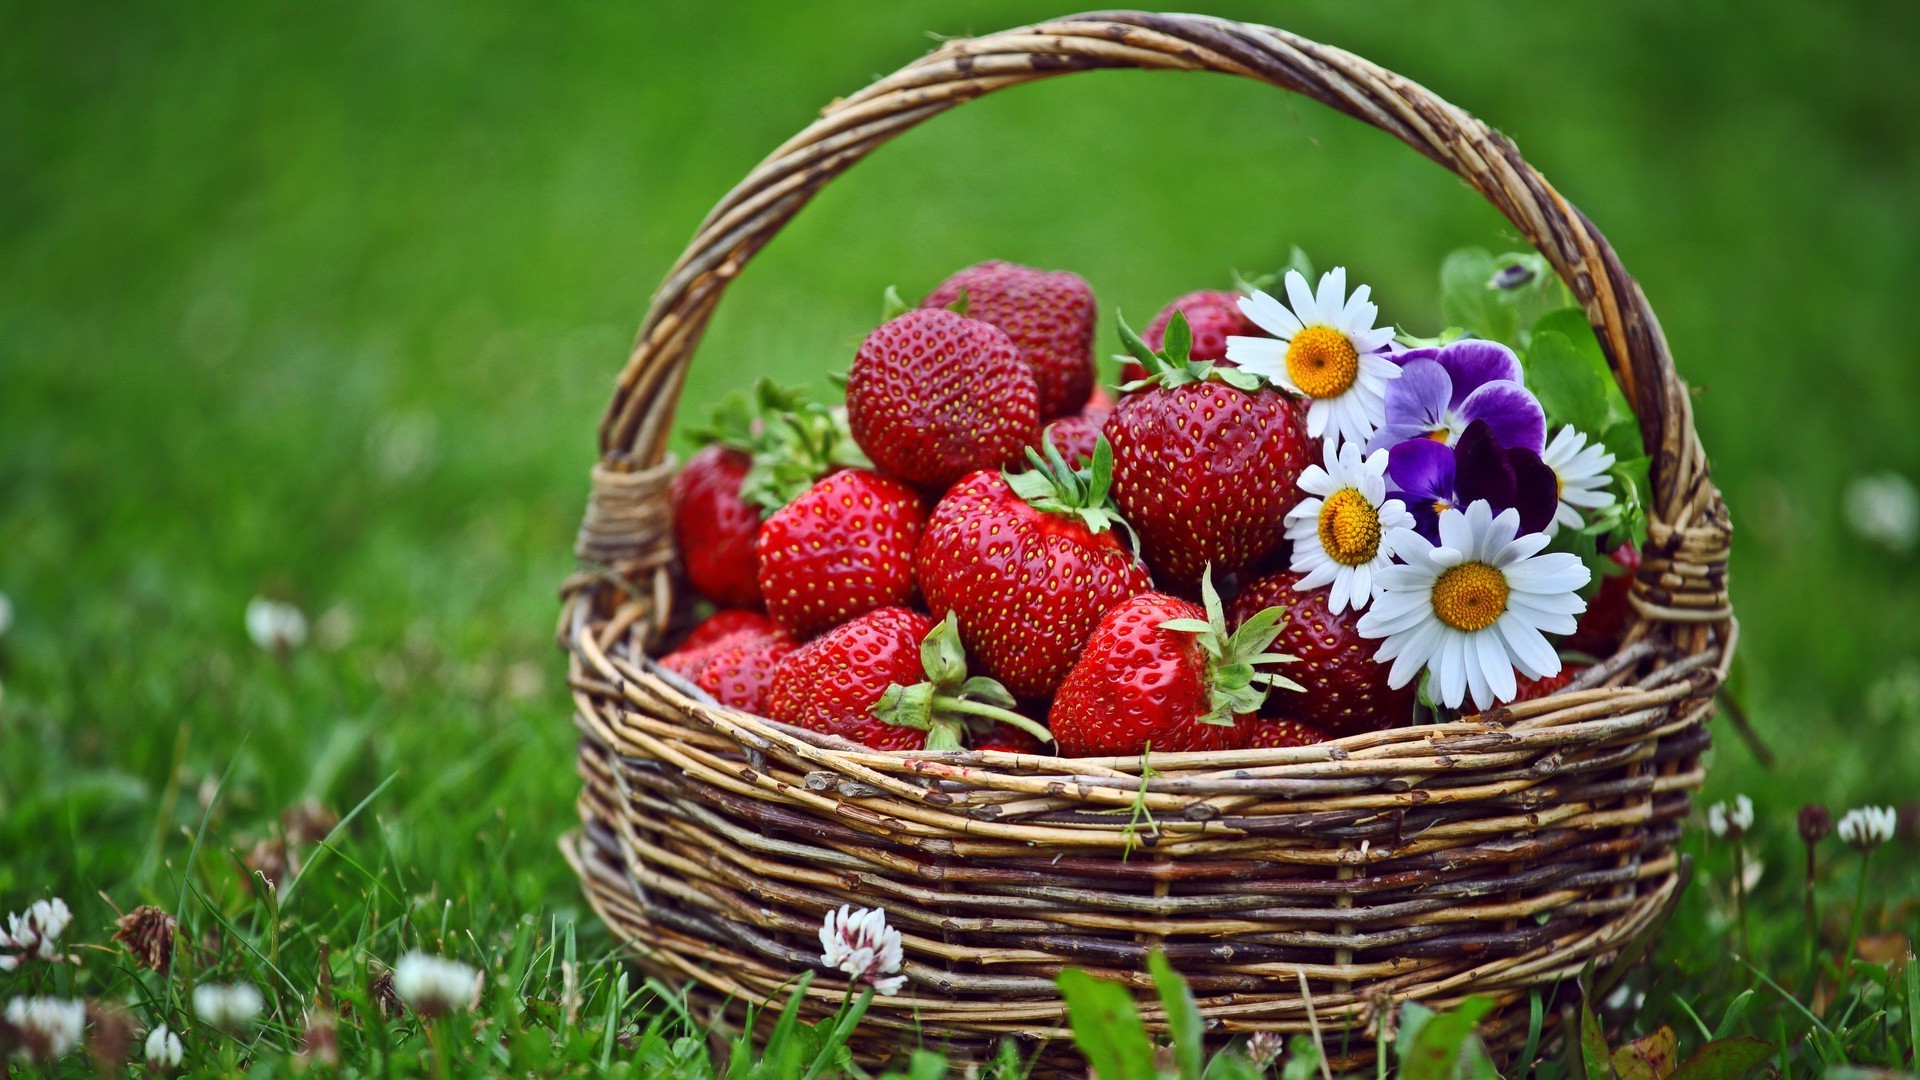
(1510, 411)
(1474, 363)
(1416, 404)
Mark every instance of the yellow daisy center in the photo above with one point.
(1470, 596)
(1322, 362)
(1349, 528)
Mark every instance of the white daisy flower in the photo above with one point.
(229, 1007)
(163, 1048)
(1338, 536)
(1867, 827)
(1324, 348)
(46, 1027)
(1472, 608)
(860, 943)
(434, 986)
(1581, 468)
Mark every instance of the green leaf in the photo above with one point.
(1571, 387)
(1650, 1057)
(1736, 1009)
(1106, 1027)
(1178, 341)
(1724, 1059)
(891, 305)
(906, 706)
(1183, 1016)
(1137, 346)
(1298, 262)
(988, 690)
(1232, 1065)
(836, 1039)
(1303, 1058)
(960, 303)
(1467, 301)
(1188, 626)
(1413, 1019)
(1595, 1059)
(1435, 1049)
(942, 656)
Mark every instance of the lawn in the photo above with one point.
(320, 303)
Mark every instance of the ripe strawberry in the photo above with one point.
(934, 395)
(892, 679)
(843, 548)
(1160, 673)
(1534, 689)
(714, 528)
(764, 450)
(1007, 739)
(725, 624)
(1346, 689)
(1029, 563)
(1265, 734)
(737, 669)
(1049, 316)
(1206, 462)
(1213, 315)
(1605, 620)
(1074, 436)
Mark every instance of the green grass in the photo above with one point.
(322, 302)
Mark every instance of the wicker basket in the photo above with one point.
(1496, 855)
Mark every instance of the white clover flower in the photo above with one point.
(1735, 820)
(1884, 509)
(433, 985)
(1324, 348)
(163, 1048)
(1339, 530)
(47, 1027)
(1581, 469)
(229, 1007)
(275, 626)
(861, 944)
(34, 934)
(1867, 827)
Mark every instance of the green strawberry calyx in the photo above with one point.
(949, 703)
(1054, 487)
(792, 442)
(1235, 683)
(1173, 364)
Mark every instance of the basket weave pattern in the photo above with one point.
(1497, 854)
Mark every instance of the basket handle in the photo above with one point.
(1687, 546)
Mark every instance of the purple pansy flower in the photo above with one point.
(1433, 476)
(1441, 391)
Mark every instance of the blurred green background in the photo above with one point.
(322, 302)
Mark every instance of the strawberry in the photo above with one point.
(1049, 316)
(1029, 563)
(1212, 314)
(843, 548)
(723, 624)
(1605, 620)
(714, 528)
(1346, 689)
(892, 679)
(1535, 689)
(1206, 461)
(764, 450)
(1265, 734)
(1160, 673)
(737, 669)
(1074, 436)
(934, 395)
(1007, 739)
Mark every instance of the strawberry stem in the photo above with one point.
(942, 704)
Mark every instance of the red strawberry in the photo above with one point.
(934, 395)
(1160, 673)
(1213, 315)
(1265, 734)
(1206, 462)
(1007, 739)
(737, 669)
(1075, 435)
(714, 528)
(843, 548)
(892, 679)
(1049, 316)
(1600, 629)
(1029, 563)
(1535, 689)
(725, 624)
(1346, 689)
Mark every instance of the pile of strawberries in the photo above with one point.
(984, 549)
